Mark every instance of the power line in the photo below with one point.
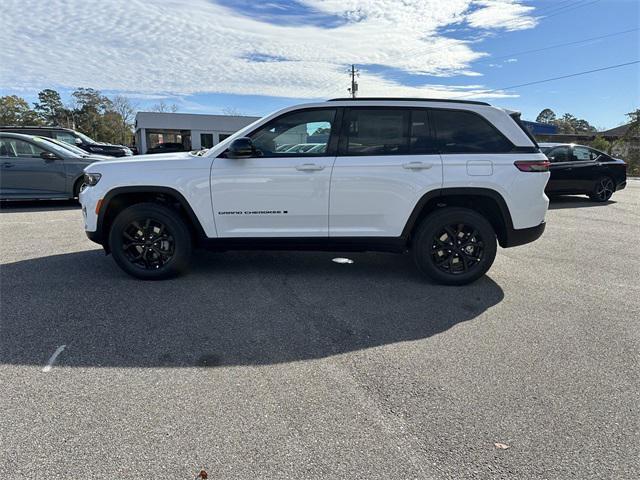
(553, 7)
(559, 6)
(557, 45)
(554, 13)
(550, 79)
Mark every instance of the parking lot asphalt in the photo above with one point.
(288, 365)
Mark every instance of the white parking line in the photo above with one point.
(53, 358)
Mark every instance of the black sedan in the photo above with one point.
(576, 170)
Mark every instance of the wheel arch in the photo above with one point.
(120, 198)
(485, 201)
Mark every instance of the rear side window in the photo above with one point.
(466, 132)
(389, 131)
(374, 131)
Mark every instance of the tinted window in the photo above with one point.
(466, 132)
(421, 140)
(296, 134)
(377, 131)
(559, 154)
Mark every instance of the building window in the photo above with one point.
(206, 140)
(223, 136)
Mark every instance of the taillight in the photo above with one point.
(532, 165)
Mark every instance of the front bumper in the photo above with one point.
(521, 236)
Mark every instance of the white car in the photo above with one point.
(445, 180)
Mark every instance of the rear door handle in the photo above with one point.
(309, 167)
(417, 166)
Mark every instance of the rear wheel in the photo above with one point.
(150, 241)
(454, 246)
(603, 190)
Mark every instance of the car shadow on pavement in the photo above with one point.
(19, 206)
(566, 201)
(235, 308)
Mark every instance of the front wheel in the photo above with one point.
(150, 241)
(603, 190)
(454, 246)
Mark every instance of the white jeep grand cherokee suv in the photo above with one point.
(446, 180)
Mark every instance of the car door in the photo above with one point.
(386, 162)
(278, 193)
(586, 168)
(561, 169)
(25, 173)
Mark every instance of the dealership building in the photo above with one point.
(192, 131)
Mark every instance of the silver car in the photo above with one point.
(32, 168)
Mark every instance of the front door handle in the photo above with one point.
(417, 166)
(309, 167)
(7, 164)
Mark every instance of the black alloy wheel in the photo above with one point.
(454, 245)
(457, 248)
(150, 241)
(148, 244)
(604, 189)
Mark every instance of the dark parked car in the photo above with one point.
(34, 168)
(167, 147)
(576, 169)
(74, 138)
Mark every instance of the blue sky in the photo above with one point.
(207, 56)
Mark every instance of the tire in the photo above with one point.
(76, 188)
(139, 254)
(603, 189)
(476, 246)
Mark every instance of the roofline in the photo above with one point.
(408, 99)
(35, 127)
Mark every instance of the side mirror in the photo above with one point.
(48, 156)
(241, 148)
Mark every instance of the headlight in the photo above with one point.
(91, 178)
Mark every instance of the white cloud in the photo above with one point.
(506, 14)
(183, 47)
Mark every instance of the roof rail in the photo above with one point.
(408, 99)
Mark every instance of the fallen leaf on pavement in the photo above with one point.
(501, 446)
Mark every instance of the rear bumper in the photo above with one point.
(621, 185)
(521, 236)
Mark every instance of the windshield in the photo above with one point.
(66, 146)
(47, 145)
(85, 138)
(545, 149)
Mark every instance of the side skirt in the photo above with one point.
(338, 244)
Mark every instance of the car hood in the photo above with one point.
(151, 158)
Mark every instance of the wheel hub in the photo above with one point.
(457, 248)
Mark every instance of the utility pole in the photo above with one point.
(354, 85)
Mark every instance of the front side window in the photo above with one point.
(304, 133)
(467, 132)
(15, 148)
